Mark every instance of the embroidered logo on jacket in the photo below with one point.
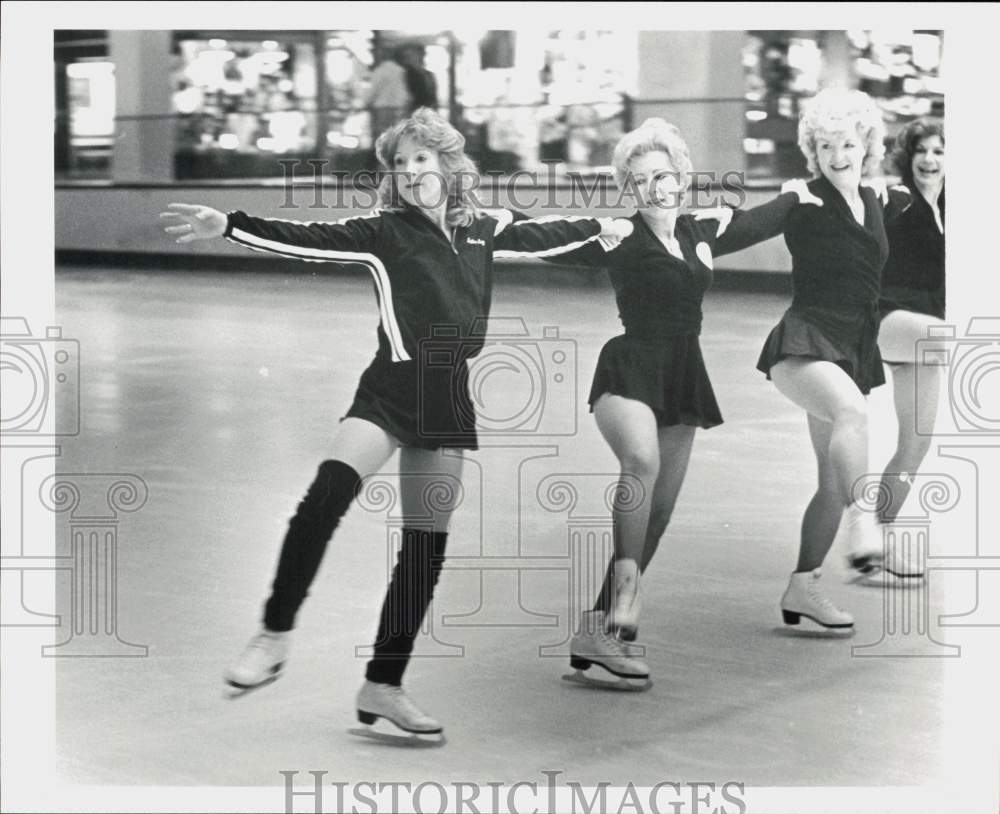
(475, 241)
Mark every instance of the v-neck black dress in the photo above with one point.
(913, 277)
(658, 360)
(836, 275)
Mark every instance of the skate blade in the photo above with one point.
(234, 691)
(809, 628)
(616, 684)
(398, 737)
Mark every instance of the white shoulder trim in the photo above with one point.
(725, 218)
(375, 213)
(504, 218)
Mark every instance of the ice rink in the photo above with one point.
(221, 391)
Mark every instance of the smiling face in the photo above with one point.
(419, 175)
(840, 157)
(658, 184)
(927, 163)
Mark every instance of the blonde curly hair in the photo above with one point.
(838, 110)
(430, 129)
(653, 135)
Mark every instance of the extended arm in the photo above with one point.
(750, 226)
(316, 241)
(553, 236)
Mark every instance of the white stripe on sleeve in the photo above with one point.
(383, 287)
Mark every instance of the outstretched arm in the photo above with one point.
(315, 241)
(742, 228)
(554, 236)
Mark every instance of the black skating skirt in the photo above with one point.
(848, 338)
(428, 408)
(668, 375)
(898, 298)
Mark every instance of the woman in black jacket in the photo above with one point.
(430, 253)
(823, 354)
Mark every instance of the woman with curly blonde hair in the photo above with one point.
(823, 354)
(431, 257)
(651, 390)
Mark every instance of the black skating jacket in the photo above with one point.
(423, 278)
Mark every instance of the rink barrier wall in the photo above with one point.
(116, 225)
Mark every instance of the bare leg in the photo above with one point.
(916, 391)
(826, 392)
(675, 445)
(629, 427)
(822, 517)
(675, 454)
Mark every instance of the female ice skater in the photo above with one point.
(823, 355)
(912, 303)
(651, 390)
(430, 253)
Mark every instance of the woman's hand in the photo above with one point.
(614, 230)
(719, 213)
(878, 186)
(801, 189)
(194, 222)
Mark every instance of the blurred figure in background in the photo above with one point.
(388, 98)
(420, 83)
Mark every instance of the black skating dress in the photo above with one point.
(836, 279)
(658, 360)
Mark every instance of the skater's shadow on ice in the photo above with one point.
(806, 633)
(398, 741)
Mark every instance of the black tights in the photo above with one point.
(418, 567)
(421, 556)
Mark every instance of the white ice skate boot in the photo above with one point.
(595, 645)
(391, 703)
(261, 662)
(865, 552)
(802, 598)
(624, 616)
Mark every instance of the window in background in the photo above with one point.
(85, 104)
(243, 103)
(900, 69)
(526, 97)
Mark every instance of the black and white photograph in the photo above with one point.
(499, 407)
